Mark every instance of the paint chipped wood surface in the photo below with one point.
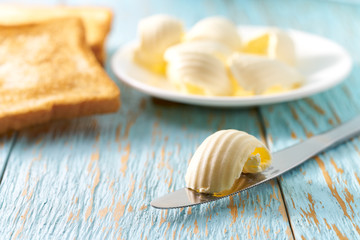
(323, 195)
(94, 177)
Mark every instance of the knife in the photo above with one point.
(282, 162)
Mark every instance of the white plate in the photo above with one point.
(323, 62)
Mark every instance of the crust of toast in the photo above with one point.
(48, 72)
(96, 20)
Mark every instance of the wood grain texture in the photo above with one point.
(322, 195)
(94, 177)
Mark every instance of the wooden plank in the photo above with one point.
(94, 177)
(322, 195)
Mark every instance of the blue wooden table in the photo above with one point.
(93, 178)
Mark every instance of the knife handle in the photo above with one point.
(291, 157)
(343, 132)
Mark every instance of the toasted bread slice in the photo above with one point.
(97, 21)
(48, 72)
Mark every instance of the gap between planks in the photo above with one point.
(12, 145)
(263, 133)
